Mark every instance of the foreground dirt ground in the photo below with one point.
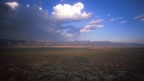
(72, 64)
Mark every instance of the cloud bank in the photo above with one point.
(34, 22)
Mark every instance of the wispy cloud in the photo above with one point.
(108, 14)
(96, 21)
(62, 0)
(94, 24)
(28, 5)
(85, 30)
(70, 12)
(140, 17)
(122, 22)
(13, 5)
(40, 8)
(114, 19)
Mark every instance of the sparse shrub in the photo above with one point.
(74, 65)
(108, 77)
(73, 77)
(58, 77)
(93, 78)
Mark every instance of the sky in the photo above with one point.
(68, 20)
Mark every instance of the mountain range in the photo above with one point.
(8, 42)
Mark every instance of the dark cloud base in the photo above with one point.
(32, 23)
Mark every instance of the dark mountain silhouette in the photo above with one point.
(8, 42)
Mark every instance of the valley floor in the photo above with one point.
(72, 64)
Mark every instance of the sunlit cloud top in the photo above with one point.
(13, 5)
(71, 12)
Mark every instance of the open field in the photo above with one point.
(72, 64)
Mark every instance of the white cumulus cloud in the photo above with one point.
(70, 12)
(13, 5)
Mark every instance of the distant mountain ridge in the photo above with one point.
(7, 42)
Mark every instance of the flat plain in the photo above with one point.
(72, 64)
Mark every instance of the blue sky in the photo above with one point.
(93, 20)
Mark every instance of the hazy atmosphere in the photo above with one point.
(68, 20)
